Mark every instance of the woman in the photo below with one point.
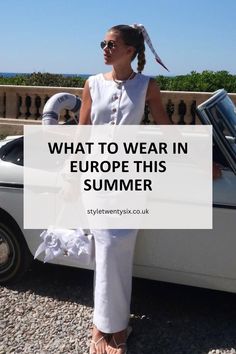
(118, 97)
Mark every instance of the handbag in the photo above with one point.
(77, 244)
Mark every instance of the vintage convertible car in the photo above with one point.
(203, 258)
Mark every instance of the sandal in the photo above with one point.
(95, 344)
(120, 345)
(129, 330)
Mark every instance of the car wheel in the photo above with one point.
(15, 257)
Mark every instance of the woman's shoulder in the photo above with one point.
(95, 80)
(142, 77)
(151, 80)
(95, 77)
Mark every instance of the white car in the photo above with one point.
(203, 258)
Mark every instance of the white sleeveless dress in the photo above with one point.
(114, 103)
(118, 104)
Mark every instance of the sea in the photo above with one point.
(84, 76)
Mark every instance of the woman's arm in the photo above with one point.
(159, 115)
(153, 99)
(85, 110)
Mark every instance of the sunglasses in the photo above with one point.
(108, 44)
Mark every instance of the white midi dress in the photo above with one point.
(114, 103)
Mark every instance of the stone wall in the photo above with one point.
(21, 105)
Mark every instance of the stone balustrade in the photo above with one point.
(24, 104)
(27, 102)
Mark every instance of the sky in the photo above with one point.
(63, 36)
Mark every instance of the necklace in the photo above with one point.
(120, 82)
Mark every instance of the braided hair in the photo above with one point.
(134, 38)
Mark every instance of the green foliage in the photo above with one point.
(43, 79)
(207, 81)
(16, 80)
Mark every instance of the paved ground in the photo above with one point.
(50, 311)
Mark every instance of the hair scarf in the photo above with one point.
(147, 39)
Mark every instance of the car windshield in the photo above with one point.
(225, 115)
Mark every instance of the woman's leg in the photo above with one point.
(114, 251)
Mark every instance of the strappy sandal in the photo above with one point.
(120, 345)
(95, 344)
(129, 331)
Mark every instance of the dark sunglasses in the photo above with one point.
(108, 44)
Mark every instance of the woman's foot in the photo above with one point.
(117, 344)
(99, 342)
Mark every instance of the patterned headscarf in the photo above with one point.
(147, 39)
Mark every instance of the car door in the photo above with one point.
(204, 258)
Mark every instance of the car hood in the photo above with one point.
(10, 173)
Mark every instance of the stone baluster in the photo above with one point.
(170, 109)
(46, 98)
(23, 108)
(28, 104)
(19, 106)
(193, 112)
(37, 103)
(182, 109)
(32, 106)
(2, 105)
(24, 102)
(42, 100)
(11, 104)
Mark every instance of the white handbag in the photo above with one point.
(77, 244)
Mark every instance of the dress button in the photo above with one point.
(113, 122)
(114, 110)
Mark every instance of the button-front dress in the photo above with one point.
(115, 103)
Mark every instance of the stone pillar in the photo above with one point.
(23, 105)
(11, 104)
(33, 109)
(42, 105)
(2, 108)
